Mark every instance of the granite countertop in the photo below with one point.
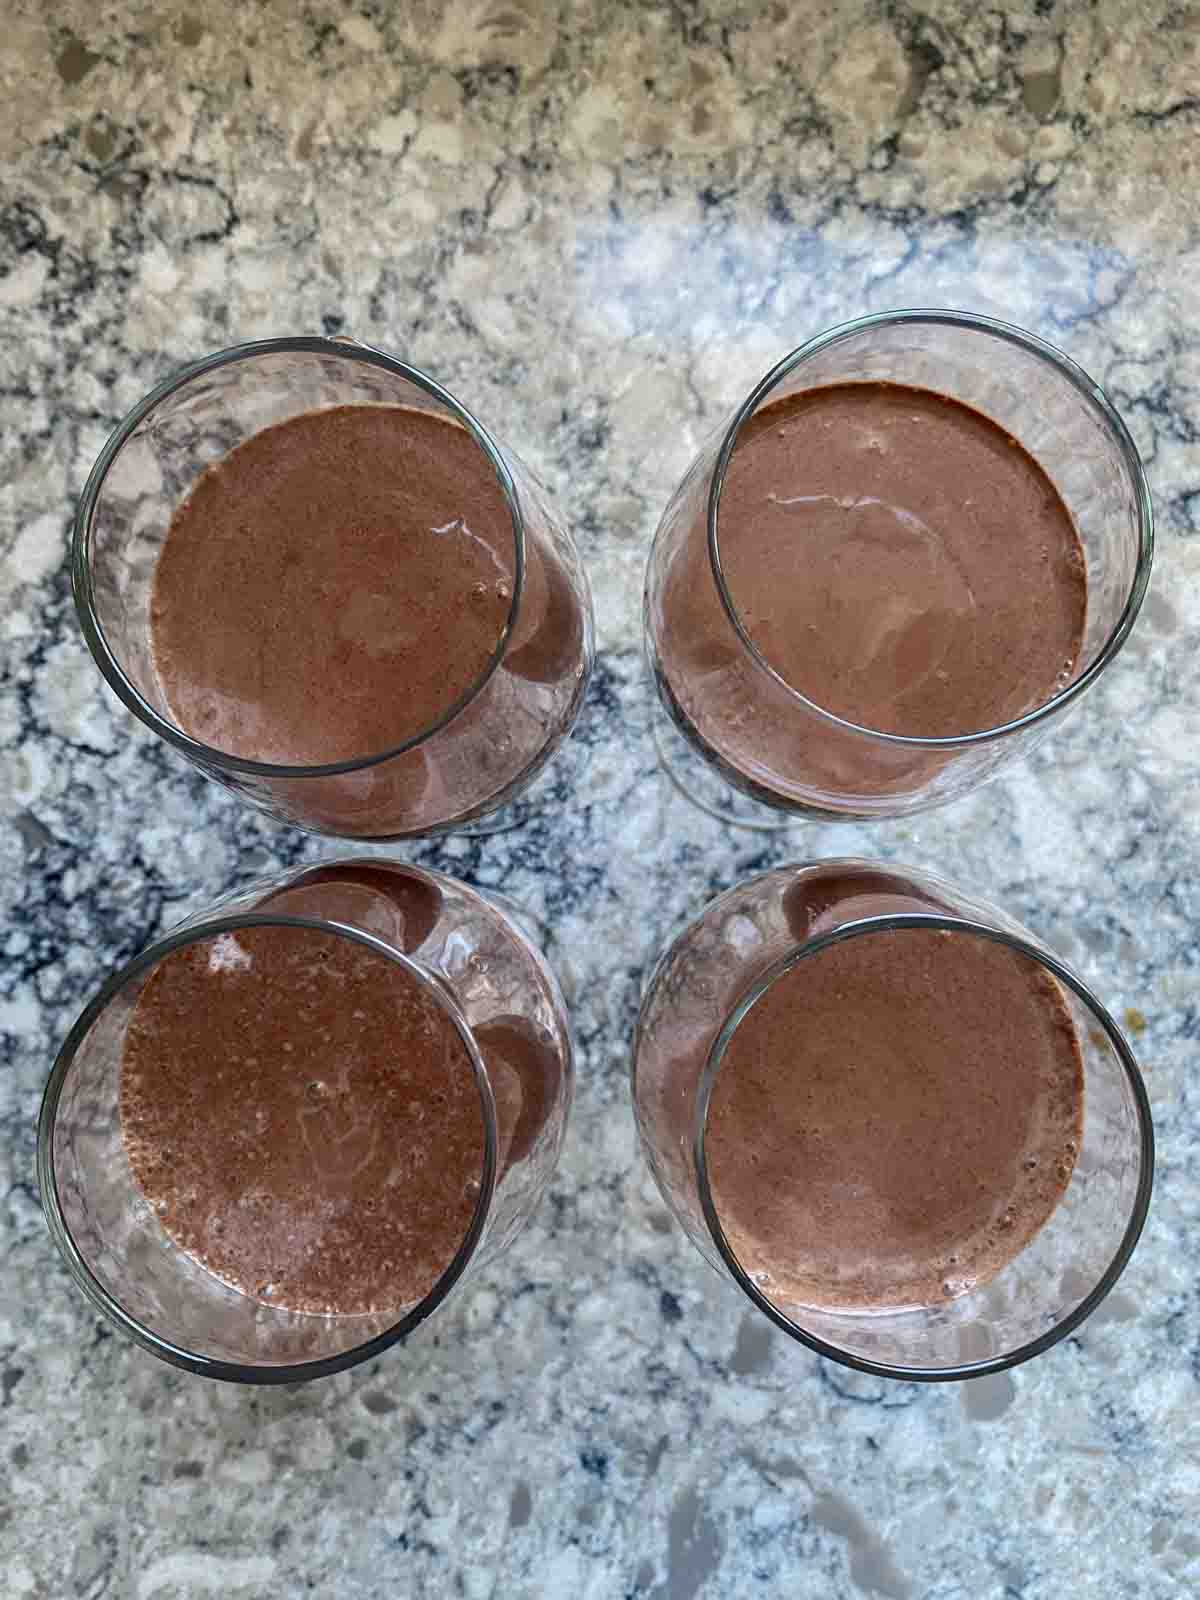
(598, 224)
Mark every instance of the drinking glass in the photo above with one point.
(723, 963)
(471, 955)
(486, 747)
(747, 745)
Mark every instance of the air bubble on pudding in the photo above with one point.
(225, 954)
(761, 1278)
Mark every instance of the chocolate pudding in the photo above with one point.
(899, 560)
(334, 586)
(303, 1117)
(403, 908)
(894, 1120)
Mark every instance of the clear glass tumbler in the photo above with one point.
(472, 957)
(749, 746)
(486, 747)
(700, 993)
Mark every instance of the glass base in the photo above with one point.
(559, 781)
(514, 815)
(703, 785)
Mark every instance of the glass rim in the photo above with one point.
(105, 657)
(1133, 1077)
(105, 1301)
(1091, 392)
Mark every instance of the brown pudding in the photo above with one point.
(900, 561)
(333, 586)
(894, 1120)
(303, 1117)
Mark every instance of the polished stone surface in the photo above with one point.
(598, 224)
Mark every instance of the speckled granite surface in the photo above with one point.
(598, 224)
